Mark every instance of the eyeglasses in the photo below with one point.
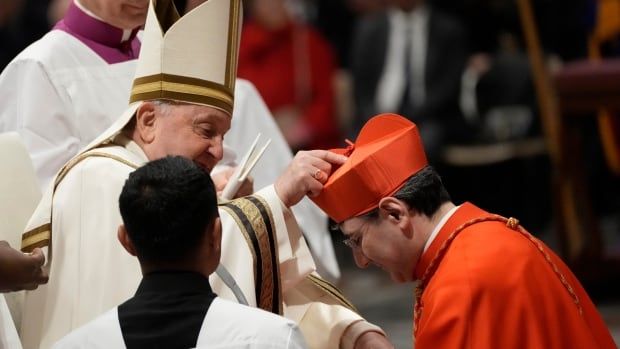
(353, 242)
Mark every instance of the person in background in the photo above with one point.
(293, 68)
(21, 23)
(409, 59)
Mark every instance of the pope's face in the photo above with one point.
(124, 14)
(192, 131)
(384, 243)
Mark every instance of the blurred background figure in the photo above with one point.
(293, 68)
(21, 22)
(409, 59)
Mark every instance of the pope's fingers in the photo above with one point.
(314, 188)
(315, 160)
(333, 158)
(328, 156)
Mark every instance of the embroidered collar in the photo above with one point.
(112, 44)
(464, 213)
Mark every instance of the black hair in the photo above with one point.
(423, 192)
(167, 206)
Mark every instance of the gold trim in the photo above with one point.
(232, 52)
(244, 232)
(182, 88)
(271, 239)
(42, 235)
(331, 290)
(178, 79)
(256, 223)
(83, 156)
(36, 231)
(265, 300)
(174, 96)
(36, 237)
(511, 223)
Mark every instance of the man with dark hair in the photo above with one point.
(171, 224)
(484, 281)
(165, 207)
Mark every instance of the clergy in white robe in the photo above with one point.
(170, 222)
(8, 333)
(78, 216)
(68, 87)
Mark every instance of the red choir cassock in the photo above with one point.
(484, 282)
(293, 68)
(487, 283)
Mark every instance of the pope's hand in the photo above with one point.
(221, 179)
(306, 174)
(373, 340)
(19, 271)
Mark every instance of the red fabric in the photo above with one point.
(267, 59)
(387, 152)
(494, 289)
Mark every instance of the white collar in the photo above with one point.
(124, 141)
(438, 227)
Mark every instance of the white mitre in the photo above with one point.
(189, 59)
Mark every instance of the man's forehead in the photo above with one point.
(206, 114)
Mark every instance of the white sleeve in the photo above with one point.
(86, 256)
(296, 262)
(8, 333)
(250, 117)
(296, 339)
(41, 113)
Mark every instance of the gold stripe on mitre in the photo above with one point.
(234, 36)
(183, 89)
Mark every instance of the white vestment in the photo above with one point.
(91, 273)
(8, 333)
(60, 95)
(226, 325)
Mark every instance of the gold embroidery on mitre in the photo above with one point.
(512, 223)
(200, 86)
